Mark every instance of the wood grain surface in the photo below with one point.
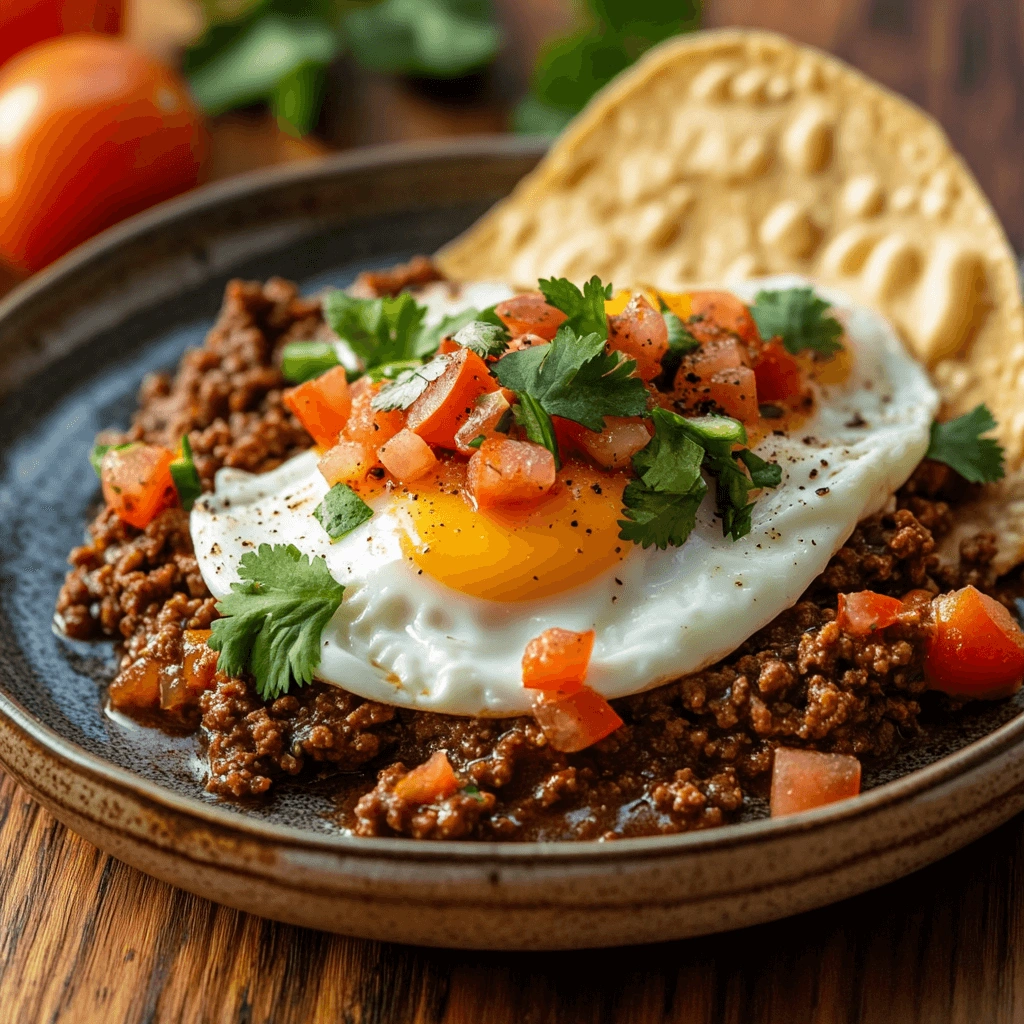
(85, 939)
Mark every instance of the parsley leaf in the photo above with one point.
(575, 378)
(408, 385)
(797, 316)
(186, 476)
(483, 338)
(341, 511)
(584, 310)
(959, 444)
(379, 331)
(274, 617)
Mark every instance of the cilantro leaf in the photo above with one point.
(274, 617)
(959, 444)
(797, 316)
(430, 337)
(341, 511)
(762, 474)
(483, 338)
(530, 415)
(379, 331)
(584, 310)
(660, 518)
(186, 476)
(573, 377)
(408, 385)
(671, 461)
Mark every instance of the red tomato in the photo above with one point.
(367, 425)
(137, 482)
(978, 648)
(322, 405)
(450, 400)
(693, 378)
(200, 663)
(575, 721)
(348, 462)
(735, 393)
(503, 473)
(530, 314)
(93, 130)
(778, 375)
(862, 613)
(640, 333)
(406, 456)
(805, 779)
(557, 660)
(24, 22)
(431, 781)
(713, 314)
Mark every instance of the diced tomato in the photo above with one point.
(557, 660)
(778, 375)
(640, 332)
(407, 456)
(713, 314)
(863, 613)
(449, 401)
(805, 779)
(347, 462)
(530, 314)
(367, 425)
(503, 473)
(735, 393)
(697, 368)
(448, 346)
(488, 410)
(431, 781)
(978, 649)
(620, 440)
(575, 721)
(521, 341)
(137, 688)
(322, 405)
(137, 482)
(200, 661)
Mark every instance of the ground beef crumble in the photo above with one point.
(688, 753)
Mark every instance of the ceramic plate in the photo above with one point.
(74, 344)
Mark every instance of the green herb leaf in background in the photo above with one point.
(798, 317)
(379, 331)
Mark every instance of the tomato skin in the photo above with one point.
(715, 314)
(433, 780)
(137, 482)
(640, 333)
(504, 473)
(322, 405)
(448, 402)
(24, 22)
(94, 131)
(864, 612)
(369, 426)
(556, 661)
(978, 649)
(805, 779)
(778, 375)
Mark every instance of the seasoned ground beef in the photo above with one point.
(688, 753)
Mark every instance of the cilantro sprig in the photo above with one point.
(584, 310)
(485, 339)
(572, 377)
(797, 317)
(379, 331)
(409, 385)
(959, 444)
(274, 617)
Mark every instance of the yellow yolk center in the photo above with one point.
(517, 555)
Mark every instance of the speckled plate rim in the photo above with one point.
(890, 794)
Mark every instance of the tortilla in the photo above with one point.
(731, 154)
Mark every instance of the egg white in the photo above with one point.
(403, 638)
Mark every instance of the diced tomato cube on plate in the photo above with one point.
(369, 426)
(713, 314)
(429, 782)
(137, 482)
(481, 422)
(978, 648)
(735, 393)
(450, 400)
(805, 779)
(612, 448)
(640, 333)
(407, 456)
(575, 721)
(507, 473)
(865, 612)
(322, 405)
(529, 313)
(556, 661)
(348, 462)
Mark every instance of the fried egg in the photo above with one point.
(441, 600)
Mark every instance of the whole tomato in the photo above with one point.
(24, 22)
(91, 131)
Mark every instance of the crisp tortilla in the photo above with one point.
(732, 154)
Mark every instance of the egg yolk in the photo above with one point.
(516, 555)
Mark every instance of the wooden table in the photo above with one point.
(86, 940)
